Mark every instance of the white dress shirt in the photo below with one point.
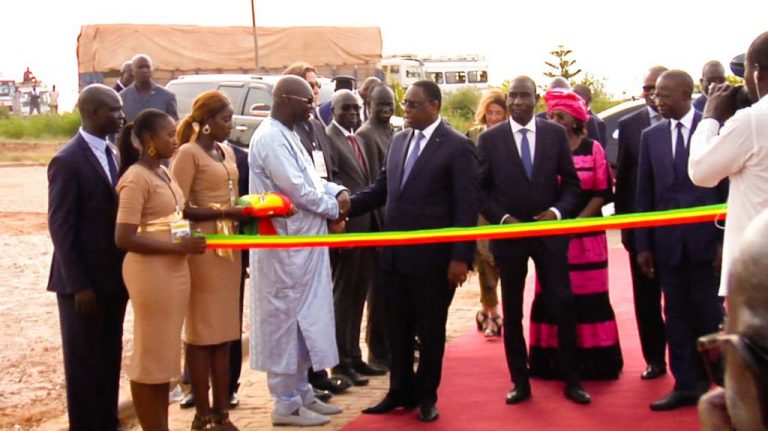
(739, 151)
(427, 132)
(98, 147)
(687, 122)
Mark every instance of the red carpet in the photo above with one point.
(475, 382)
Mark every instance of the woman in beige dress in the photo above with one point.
(155, 269)
(207, 173)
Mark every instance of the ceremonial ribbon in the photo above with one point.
(701, 214)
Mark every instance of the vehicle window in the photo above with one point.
(437, 77)
(477, 76)
(187, 91)
(5, 90)
(455, 77)
(258, 94)
(394, 69)
(412, 73)
(235, 96)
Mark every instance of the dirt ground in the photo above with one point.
(31, 367)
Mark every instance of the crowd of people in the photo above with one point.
(125, 225)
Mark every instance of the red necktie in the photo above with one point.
(359, 154)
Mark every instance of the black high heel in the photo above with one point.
(480, 319)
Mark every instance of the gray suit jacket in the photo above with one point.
(351, 175)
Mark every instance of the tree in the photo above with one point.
(561, 64)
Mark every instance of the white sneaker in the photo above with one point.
(324, 409)
(303, 418)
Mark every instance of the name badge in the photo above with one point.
(180, 229)
(319, 162)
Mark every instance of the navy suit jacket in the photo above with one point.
(82, 209)
(658, 189)
(441, 191)
(506, 188)
(630, 128)
(699, 103)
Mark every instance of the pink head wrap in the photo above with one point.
(564, 99)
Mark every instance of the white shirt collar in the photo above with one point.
(531, 126)
(429, 130)
(687, 120)
(93, 141)
(346, 132)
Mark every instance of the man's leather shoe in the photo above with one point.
(676, 399)
(518, 394)
(577, 394)
(351, 375)
(653, 372)
(428, 412)
(322, 395)
(334, 385)
(368, 369)
(388, 404)
(188, 401)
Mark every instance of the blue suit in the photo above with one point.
(441, 191)
(683, 254)
(82, 208)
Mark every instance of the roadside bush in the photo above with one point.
(459, 107)
(40, 126)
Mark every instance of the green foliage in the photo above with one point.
(459, 107)
(4, 113)
(601, 100)
(40, 126)
(561, 64)
(399, 91)
(733, 79)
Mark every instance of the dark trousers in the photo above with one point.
(419, 308)
(354, 274)
(93, 347)
(550, 255)
(378, 319)
(692, 309)
(650, 325)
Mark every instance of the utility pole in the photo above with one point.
(255, 37)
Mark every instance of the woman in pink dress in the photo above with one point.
(598, 354)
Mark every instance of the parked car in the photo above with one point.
(251, 97)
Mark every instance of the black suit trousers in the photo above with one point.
(354, 274)
(93, 347)
(378, 320)
(650, 324)
(550, 256)
(419, 308)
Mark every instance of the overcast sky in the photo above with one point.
(615, 40)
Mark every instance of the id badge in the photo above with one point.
(180, 229)
(319, 162)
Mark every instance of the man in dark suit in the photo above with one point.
(145, 93)
(376, 134)
(646, 291)
(343, 82)
(354, 270)
(685, 258)
(430, 181)
(527, 175)
(712, 73)
(86, 271)
(126, 77)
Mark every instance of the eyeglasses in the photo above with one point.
(351, 107)
(755, 358)
(307, 100)
(315, 84)
(412, 104)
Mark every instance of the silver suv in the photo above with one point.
(251, 97)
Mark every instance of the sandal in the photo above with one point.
(202, 423)
(481, 320)
(221, 421)
(494, 327)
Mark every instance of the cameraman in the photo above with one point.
(736, 146)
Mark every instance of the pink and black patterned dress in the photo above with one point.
(598, 353)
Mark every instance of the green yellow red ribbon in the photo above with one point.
(701, 214)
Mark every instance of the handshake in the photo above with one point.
(345, 205)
